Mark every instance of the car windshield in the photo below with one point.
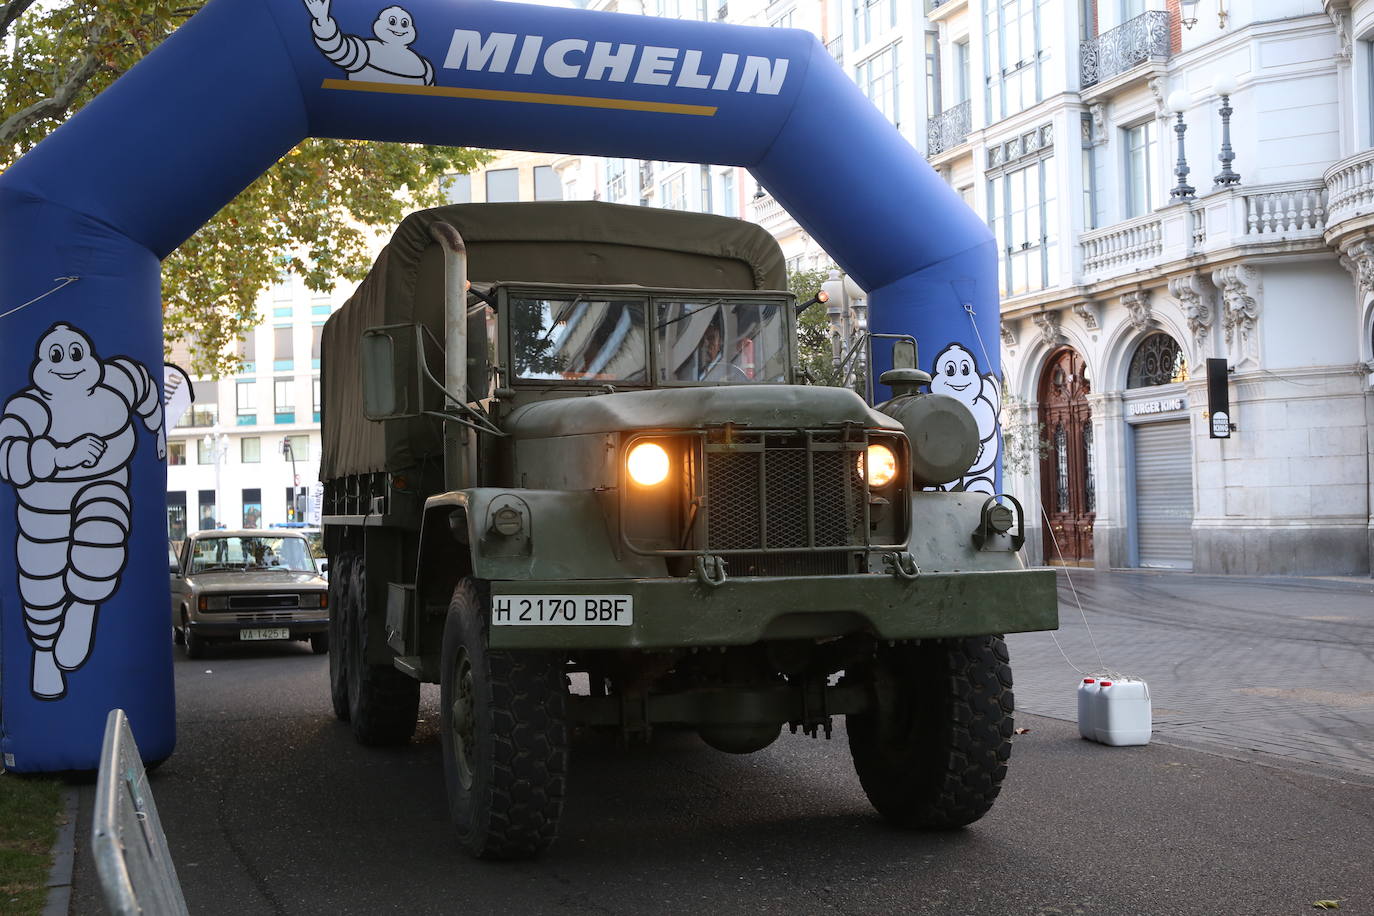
(234, 552)
(579, 338)
(720, 341)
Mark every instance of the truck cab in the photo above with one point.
(573, 476)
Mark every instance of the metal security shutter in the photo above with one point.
(1164, 494)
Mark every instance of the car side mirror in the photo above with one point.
(392, 372)
(324, 567)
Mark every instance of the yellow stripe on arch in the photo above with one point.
(531, 98)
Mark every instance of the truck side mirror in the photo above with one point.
(391, 372)
(904, 354)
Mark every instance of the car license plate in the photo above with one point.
(265, 633)
(562, 610)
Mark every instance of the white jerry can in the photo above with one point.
(1087, 707)
(1123, 715)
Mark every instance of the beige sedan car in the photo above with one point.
(245, 586)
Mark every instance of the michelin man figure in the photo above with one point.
(65, 446)
(955, 373)
(384, 59)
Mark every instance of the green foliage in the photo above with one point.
(29, 811)
(309, 214)
(813, 328)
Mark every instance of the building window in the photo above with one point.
(246, 403)
(208, 513)
(284, 401)
(727, 194)
(205, 452)
(315, 399)
(176, 515)
(503, 185)
(282, 357)
(248, 352)
(1141, 156)
(879, 79)
(1023, 211)
(250, 449)
(933, 100)
(457, 189)
(962, 84)
(871, 19)
(1012, 55)
(1159, 360)
(316, 336)
(672, 193)
(615, 180)
(176, 452)
(296, 448)
(252, 508)
(205, 410)
(787, 20)
(707, 204)
(547, 186)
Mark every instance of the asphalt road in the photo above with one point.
(270, 807)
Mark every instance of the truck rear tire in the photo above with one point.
(934, 751)
(504, 735)
(338, 623)
(383, 703)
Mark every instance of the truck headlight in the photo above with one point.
(647, 464)
(879, 465)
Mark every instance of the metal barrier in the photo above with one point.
(131, 854)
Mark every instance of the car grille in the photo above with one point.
(753, 483)
(261, 605)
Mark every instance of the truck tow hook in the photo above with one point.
(711, 571)
(902, 565)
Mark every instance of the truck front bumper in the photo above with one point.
(676, 613)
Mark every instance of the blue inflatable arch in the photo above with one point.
(83, 583)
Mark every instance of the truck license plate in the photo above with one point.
(265, 633)
(562, 610)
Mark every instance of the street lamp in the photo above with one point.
(218, 446)
(1178, 103)
(1224, 85)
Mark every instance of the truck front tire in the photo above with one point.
(383, 703)
(934, 751)
(504, 735)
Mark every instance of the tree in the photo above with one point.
(309, 214)
(813, 327)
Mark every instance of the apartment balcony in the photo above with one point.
(1288, 218)
(1350, 190)
(770, 214)
(1111, 59)
(949, 128)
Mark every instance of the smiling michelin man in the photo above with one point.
(955, 373)
(384, 59)
(65, 446)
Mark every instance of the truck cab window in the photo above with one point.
(579, 339)
(719, 341)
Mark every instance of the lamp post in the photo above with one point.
(218, 444)
(1224, 85)
(1178, 103)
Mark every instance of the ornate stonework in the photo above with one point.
(1008, 335)
(1195, 300)
(1157, 90)
(1048, 323)
(1098, 112)
(1358, 258)
(1340, 18)
(1137, 303)
(1240, 298)
(1087, 310)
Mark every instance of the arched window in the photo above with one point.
(1159, 360)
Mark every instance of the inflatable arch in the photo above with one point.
(86, 217)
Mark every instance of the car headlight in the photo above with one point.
(312, 600)
(647, 464)
(879, 465)
(214, 602)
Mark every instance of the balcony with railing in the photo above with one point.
(1116, 51)
(771, 215)
(1285, 218)
(1350, 189)
(949, 128)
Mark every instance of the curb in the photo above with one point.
(64, 857)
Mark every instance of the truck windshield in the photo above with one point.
(579, 339)
(720, 341)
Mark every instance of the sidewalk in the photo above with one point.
(1282, 666)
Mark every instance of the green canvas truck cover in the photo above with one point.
(575, 242)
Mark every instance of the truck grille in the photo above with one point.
(784, 491)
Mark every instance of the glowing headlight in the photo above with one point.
(882, 462)
(647, 464)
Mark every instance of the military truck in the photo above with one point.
(572, 475)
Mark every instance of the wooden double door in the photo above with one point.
(1068, 491)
